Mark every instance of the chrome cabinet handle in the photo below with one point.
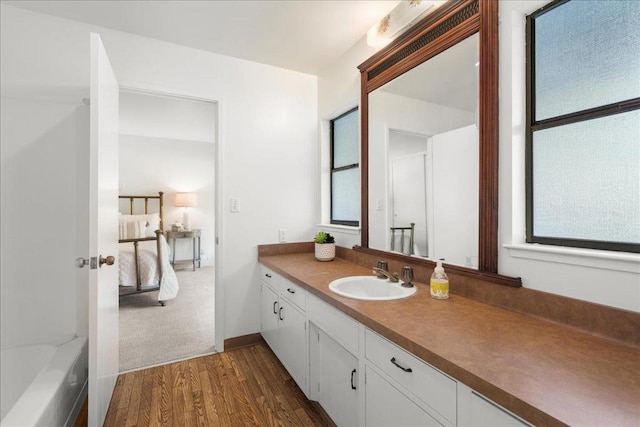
(280, 313)
(274, 307)
(393, 360)
(291, 291)
(353, 387)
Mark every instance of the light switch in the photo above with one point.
(234, 205)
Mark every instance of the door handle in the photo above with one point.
(291, 291)
(110, 260)
(353, 387)
(274, 307)
(81, 262)
(280, 313)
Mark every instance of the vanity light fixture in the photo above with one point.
(186, 201)
(401, 18)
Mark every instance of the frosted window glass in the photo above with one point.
(345, 195)
(345, 140)
(586, 180)
(587, 54)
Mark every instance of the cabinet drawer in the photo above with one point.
(484, 412)
(335, 323)
(268, 276)
(427, 383)
(386, 406)
(294, 293)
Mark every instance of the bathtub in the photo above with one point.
(43, 385)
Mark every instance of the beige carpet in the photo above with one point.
(151, 334)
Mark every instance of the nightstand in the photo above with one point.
(194, 235)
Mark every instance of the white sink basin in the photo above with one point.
(370, 288)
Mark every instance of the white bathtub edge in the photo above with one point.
(43, 401)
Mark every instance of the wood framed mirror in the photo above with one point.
(445, 27)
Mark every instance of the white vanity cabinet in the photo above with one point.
(359, 377)
(284, 323)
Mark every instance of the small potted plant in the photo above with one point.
(325, 246)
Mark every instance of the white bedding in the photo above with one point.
(149, 268)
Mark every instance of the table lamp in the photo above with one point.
(186, 201)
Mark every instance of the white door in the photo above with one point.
(103, 233)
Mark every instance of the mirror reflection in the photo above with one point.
(423, 159)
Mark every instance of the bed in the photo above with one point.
(143, 253)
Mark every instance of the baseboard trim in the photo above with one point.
(242, 341)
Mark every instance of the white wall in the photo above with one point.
(39, 219)
(610, 279)
(267, 125)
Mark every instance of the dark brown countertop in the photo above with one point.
(546, 373)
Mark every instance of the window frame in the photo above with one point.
(533, 126)
(338, 169)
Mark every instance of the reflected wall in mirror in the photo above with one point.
(423, 159)
(454, 23)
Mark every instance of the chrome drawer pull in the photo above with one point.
(393, 360)
(291, 291)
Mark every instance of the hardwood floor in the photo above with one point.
(243, 387)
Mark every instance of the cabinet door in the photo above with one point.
(292, 341)
(337, 379)
(269, 317)
(386, 406)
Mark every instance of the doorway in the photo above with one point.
(168, 144)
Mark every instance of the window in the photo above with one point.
(583, 125)
(345, 169)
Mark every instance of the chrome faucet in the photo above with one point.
(381, 272)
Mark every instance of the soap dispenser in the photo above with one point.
(439, 282)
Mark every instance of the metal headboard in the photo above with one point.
(146, 199)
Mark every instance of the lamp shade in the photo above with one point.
(186, 200)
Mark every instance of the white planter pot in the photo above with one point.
(325, 251)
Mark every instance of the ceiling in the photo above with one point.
(300, 35)
(449, 79)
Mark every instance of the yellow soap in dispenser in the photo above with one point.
(439, 282)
